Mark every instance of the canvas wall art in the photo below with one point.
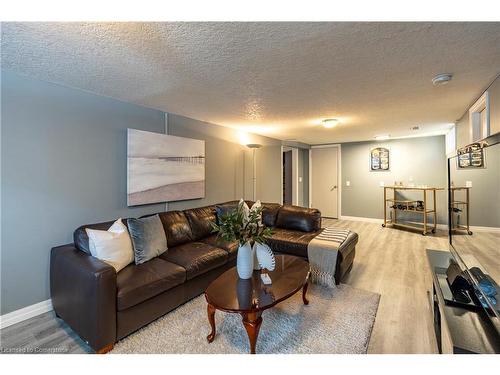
(163, 168)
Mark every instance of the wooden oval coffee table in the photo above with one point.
(251, 297)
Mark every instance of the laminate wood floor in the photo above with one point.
(388, 261)
(393, 263)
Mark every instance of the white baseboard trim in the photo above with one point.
(380, 221)
(439, 226)
(25, 313)
(365, 219)
(485, 229)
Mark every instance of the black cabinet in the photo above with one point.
(458, 330)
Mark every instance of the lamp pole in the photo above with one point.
(254, 147)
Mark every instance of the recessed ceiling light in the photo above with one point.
(442, 79)
(382, 137)
(329, 123)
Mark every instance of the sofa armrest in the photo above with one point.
(299, 218)
(83, 292)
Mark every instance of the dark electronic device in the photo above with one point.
(459, 284)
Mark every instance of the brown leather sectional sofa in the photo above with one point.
(103, 306)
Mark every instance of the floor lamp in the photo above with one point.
(254, 147)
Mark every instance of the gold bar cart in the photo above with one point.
(409, 206)
(459, 206)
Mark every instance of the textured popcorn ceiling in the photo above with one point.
(275, 79)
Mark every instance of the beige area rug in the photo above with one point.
(335, 321)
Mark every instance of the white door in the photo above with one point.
(324, 180)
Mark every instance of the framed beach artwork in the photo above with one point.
(163, 168)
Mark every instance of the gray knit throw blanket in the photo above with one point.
(322, 252)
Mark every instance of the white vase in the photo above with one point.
(256, 265)
(265, 257)
(244, 261)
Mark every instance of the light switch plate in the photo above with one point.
(348, 183)
(381, 183)
(468, 184)
(300, 179)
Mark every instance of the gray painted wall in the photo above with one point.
(423, 159)
(63, 165)
(63, 159)
(269, 182)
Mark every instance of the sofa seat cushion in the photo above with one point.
(196, 257)
(230, 247)
(137, 283)
(291, 242)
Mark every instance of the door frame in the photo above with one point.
(339, 175)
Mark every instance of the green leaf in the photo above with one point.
(232, 227)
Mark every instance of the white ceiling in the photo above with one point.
(275, 79)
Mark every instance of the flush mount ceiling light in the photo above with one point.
(329, 123)
(382, 137)
(442, 79)
(253, 145)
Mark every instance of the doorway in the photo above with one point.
(287, 177)
(324, 180)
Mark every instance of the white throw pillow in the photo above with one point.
(112, 246)
(246, 210)
(255, 206)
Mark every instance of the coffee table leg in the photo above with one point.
(304, 291)
(211, 319)
(252, 322)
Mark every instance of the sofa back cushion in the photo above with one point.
(224, 208)
(176, 228)
(298, 218)
(200, 221)
(81, 239)
(269, 213)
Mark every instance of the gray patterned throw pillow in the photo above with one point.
(148, 238)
